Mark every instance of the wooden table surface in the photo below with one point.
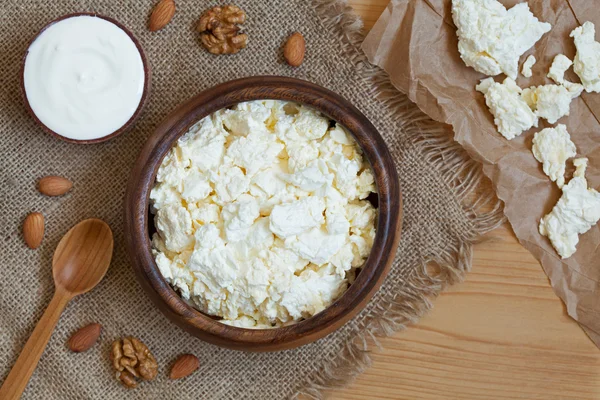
(502, 334)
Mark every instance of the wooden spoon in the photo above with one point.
(79, 263)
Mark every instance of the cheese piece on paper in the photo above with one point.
(553, 147)
(491, 39)
(574, 214)
(526, 69)
(560, 65)
(550, 102)
(512, 114)
(587, 59)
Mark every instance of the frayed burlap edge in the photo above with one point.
(460, 172)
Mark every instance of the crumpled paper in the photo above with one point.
(415, 42)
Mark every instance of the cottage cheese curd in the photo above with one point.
(560, 65)
(575, 213)
(551, 102)
(261, 214)
(553, 147)
(516, 110)
(512, 114)
(491, 39)
(526, 69)
(587, 59)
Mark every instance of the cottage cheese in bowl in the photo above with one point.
(84, 77)
(261, 214)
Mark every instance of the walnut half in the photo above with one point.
(219, 30)
(132, 359)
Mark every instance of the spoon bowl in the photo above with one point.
(83, 256)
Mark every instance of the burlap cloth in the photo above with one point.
(440, 221)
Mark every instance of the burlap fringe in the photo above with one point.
(461, 173)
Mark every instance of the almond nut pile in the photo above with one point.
(34, 225)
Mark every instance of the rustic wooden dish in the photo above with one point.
(138, 222)
(147, 79)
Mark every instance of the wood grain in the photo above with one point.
(139, 224)
(503, 334)
(19, 375)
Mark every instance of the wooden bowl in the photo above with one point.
(138, 221)
(147, 79)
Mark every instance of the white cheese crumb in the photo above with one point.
(526, 69)
(313, 177)
(254, 152)
(587, 59)
(247, 117)
(574, 214)
(204, 146)
(297, 217)
(174, 224)
(550, 102)
(259, 214)
(196, 186)
(163, 194)
(553, 147)
(239, 216)
(206, 213)
(301, 154)
(511, 113)
(492, 39)
(575, 89)
(230, 183)
(316, 245)
(312, 292)
(560, 65)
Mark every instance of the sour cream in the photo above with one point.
(84, 77)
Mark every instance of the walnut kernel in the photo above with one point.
(127, 379)
(132, 359)
(219, 30)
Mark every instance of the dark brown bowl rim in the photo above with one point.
(147, 79)
(225, 95)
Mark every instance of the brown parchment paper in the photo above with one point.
(415, 42)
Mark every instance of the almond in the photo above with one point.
(161, 15)
(84, 338)
(54, 185)
(184, 366)
(33, 230)
(294, 49)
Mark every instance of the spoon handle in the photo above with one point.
(19, 375)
